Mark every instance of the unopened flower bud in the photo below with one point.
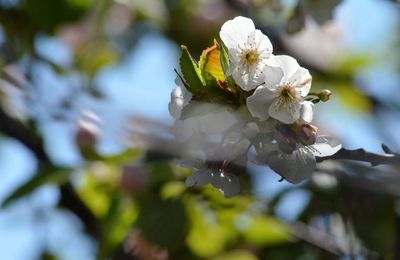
(87, 131)
(324, 95)
(308, 134)
(86, 137)
(286, 139)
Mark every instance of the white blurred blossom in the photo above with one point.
(215, 122)
(226, 182)
(180, 97)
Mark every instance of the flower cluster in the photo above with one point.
(240, 95)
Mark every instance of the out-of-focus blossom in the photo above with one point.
(226, 182)
(88, 130)
(215, 122)
(13, 101)
(180, 97)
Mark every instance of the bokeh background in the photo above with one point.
(84, 91)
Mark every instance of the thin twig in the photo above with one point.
(389, 158)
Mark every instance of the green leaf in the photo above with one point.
(191, 72)
(117, 223)
(49, 14)
(264, 230)
(207, 237)
(172, 189)
(210, 64)
(163, 222)
(95, 194)
(224, 56)
(48, 176)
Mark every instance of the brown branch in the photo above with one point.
(388, 158)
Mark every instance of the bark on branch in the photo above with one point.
(388, 158)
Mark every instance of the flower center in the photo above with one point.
(250, 57)
(288, 94)
(287, 97)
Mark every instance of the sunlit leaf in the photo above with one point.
(172, 189)
(119, 220)
(207, 237)
(265, 230)
(95, 196)
(224, 56)
(210, 64)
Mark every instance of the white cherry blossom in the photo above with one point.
(281, 97)
(250, 51)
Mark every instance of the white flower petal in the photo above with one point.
(272, 76)
(259, 103)
(232, 150)
(236, 31)
(242, 38)
(288, 65)
(263, 44)
(307, 111)
(294, 167)
(287, 114)
(302, 80)
(325, 146)
(247, 79)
